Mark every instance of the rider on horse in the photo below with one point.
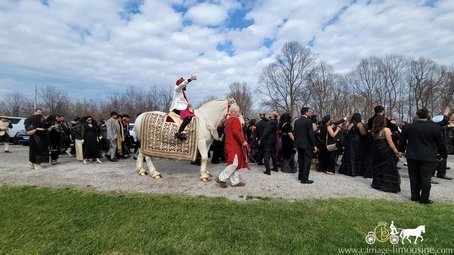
(181, 106)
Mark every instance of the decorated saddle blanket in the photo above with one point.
(158, 137)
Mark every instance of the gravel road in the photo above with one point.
(180, 177)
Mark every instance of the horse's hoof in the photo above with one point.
(143, 173)
(157, 177)
(205, 178)
(208, 174)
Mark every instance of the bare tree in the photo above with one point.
(165, 99)
(321, 83)
(343, 101)
(445, 93)
(242, 95)
(86, 107)
(54, 100)
(365, 81)
(16, 104)
(391, 70)
(424, 77)
(284, 81)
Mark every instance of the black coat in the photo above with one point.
(269, 134)
(422, 140)
(304, 135)
(260, 127)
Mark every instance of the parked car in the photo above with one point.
(18, 125)
(21, 138)
(132, 132)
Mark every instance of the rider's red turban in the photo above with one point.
(179, 81)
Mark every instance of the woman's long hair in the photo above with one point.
(378, 124)
(284, 119)
(356, 118)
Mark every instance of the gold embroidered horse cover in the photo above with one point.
(158, 138)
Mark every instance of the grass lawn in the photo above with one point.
(68, 221)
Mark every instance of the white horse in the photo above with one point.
(210, 115)
(406, 233)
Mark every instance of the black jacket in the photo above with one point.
(269, 134)
(422, 140)
(304, 135)
(260, 127)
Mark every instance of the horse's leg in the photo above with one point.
(153, 172)
(204, 174)
(139, 165)
(422, 239)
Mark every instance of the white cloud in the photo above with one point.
(206, 14)
(388, 27)
(89, 44)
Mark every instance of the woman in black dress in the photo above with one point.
(327, 159)
(385, 174)
(288, 149)
(353, 160)
(91, 143)
(55, 134)
(38, 142)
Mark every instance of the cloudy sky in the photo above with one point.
(92, 48)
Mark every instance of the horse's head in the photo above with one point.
(231, 101)
(422, 228)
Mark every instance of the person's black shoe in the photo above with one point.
(307, 181)
(414, 199)
(275, 170)
(260, 163)
(444, 177)
(434, 182)
(428, 202)
(447, 168)
(267, 172)
(180, 136)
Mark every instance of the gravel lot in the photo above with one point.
(180, 177)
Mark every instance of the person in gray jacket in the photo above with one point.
(113, 128)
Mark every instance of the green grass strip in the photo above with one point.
(68, 221)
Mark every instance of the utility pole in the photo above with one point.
(35, 105)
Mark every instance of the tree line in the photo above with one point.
(294, 79)
(401, 84)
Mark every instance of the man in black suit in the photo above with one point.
(269, 143)
(305, 143)
(380, 110)
(446, 124)
(424, 138)
(260, 128)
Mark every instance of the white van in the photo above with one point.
(18, 125)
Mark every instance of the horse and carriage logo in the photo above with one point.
(382, 233)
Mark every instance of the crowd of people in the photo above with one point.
(370, 149)
(83, 138)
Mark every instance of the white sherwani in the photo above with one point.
(179, 101)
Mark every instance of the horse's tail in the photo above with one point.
(137, 126)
